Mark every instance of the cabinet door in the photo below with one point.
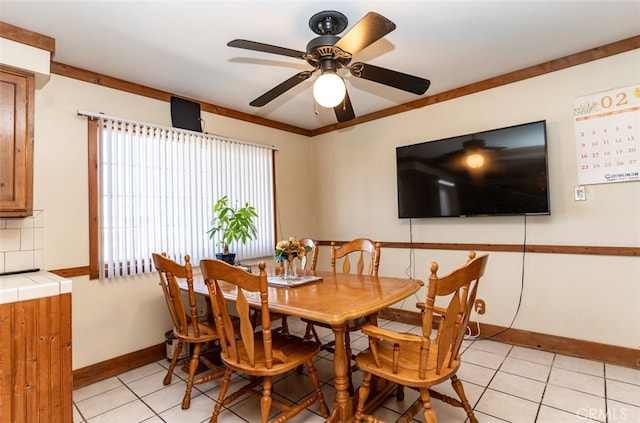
(16, 143)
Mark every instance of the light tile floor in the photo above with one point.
(502, 382)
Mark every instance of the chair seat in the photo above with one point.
(407, 366)
(207, 334)
(293, 349)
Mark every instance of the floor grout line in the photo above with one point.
(471, 345)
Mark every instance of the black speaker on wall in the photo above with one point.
(185, 114)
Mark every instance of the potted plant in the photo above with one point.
(234, 224)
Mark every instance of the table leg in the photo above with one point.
(342, 406)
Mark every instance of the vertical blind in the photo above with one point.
(157, 188)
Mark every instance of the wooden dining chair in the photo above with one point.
(362, 257)
(260, 354)
(310, 260)
(422, 361)
(187, 325)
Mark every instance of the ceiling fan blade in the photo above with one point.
(281, 88)
(395, 79)
(367, 31)
(266, 48)
(344, 110)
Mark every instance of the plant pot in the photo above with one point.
(228, 258)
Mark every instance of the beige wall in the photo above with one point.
(117, 317)
(595, 298)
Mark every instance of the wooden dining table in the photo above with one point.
(335, 300)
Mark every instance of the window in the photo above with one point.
(152, 189)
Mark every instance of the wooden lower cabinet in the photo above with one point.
(36, 379)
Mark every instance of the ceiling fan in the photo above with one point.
(329, 53)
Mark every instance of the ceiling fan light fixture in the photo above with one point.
(329, 90)
(475, 160)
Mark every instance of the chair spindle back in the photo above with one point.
(232, 338)
(462, 286)
(310, 260)
(169, 270)
(366, 251)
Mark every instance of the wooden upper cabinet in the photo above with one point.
(16, 142)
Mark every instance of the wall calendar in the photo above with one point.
(607, 132)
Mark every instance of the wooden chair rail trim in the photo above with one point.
(509, 248)
(513, 248)
(612, 354)
(71, 271)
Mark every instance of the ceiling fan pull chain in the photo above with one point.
(315, 104)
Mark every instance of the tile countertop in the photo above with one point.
(29, 286)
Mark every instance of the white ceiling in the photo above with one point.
(180, 46)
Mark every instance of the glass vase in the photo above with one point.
(290, 269)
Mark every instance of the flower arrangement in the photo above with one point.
(290, 249)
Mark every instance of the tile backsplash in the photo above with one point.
(22, 243)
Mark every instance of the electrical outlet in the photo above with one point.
(480, 306)
(580, 194)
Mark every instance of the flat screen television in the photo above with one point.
(497, 172)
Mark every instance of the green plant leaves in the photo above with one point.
(234, 223)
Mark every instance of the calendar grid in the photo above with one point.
(607, 134)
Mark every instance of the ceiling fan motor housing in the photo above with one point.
(321, 49)
(328, 22)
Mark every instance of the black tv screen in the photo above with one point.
(497, 172)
